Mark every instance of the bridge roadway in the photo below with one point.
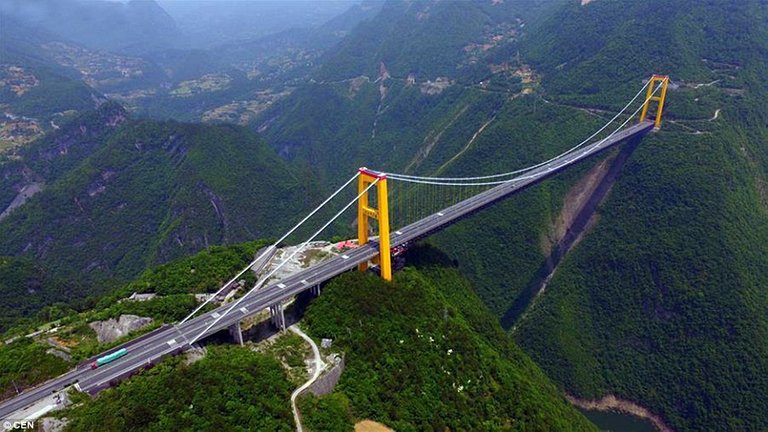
(143, 352)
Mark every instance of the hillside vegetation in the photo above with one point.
(25, 288)
(421, 353)
(663, 299)
(664, 302)
(415, 79)
(230, 389)
(32, 321)
(117, 200)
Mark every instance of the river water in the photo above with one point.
(611, 421)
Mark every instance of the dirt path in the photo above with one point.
(469, 144)
(318, 368)
(431, 140)
(716, 115)
(612, 403)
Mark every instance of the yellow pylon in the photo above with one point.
(664, 79)
(380, 213)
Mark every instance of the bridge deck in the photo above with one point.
(148, 350)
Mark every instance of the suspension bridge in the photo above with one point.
(372, 197)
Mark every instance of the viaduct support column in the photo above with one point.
(277, 316)
(236, 332)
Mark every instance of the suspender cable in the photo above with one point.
(270, 248)
(438, 181)
(522, 170)
(279, 266)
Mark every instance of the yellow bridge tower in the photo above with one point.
(381, 214)
(656, 80)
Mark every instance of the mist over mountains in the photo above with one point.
(141, 26)
(132, 27)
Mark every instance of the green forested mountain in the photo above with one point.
(425, 38)
(664, 302)
(420, 353)
(423, 353)
(182, 396)
(115, 199)
(37, 95)
(404, 83)
(25, 288)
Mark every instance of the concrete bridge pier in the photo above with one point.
(315, 290)
(277, 316)
(236, 332)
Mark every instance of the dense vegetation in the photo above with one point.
(663, 303)
(662, 234)
(426, 38)
(520, 227)
(149, 192)
(426, 345)
(422, 354)
(25, 288)
(376, 100)
(55, 94)
(205, 271)
(230, 389)
(24, 364)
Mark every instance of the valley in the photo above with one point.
(159, 158)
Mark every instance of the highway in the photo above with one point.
(143, 352)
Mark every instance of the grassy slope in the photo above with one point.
(422, 353)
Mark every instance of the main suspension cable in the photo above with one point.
(522, 170)
(441, 181)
